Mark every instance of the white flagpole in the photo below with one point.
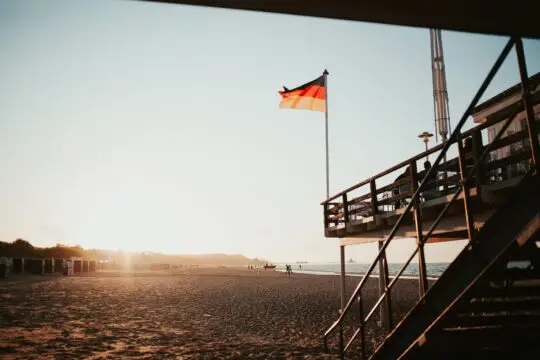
(341, 248)
(325, 74)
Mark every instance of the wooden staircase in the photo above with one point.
(480, 306)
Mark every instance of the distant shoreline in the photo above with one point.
(356, 274)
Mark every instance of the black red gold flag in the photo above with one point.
(310, 96)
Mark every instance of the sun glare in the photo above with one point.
(132, 219)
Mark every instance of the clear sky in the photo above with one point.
(148, 126)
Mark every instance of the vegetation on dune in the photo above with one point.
(23, 248)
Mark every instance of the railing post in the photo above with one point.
(388, 298)
(445, 176)
(345, 210)
(341, 343)
(326, 215)
(477, 149)
(374, 201)
(342, 263)
(466, 198)
(382, 287)
(386, 305)
(422, 275)
(527, 104)
(362, 331)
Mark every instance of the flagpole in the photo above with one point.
(341, 248)
(325, 74)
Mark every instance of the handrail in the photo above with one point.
(454, 137)
(500, 143)
(416, 157)
(445, 209)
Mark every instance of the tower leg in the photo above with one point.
(384, 319)
(343, 292)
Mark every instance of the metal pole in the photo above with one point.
(325, 74)
(342, 247)
(432, 39)
(531, 121)
(382, 288)
(422, 275)
(388, 298)
(342, 260)
(462, 163)
(449, 130)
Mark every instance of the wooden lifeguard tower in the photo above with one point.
(488, 194)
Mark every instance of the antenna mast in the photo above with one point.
(440, 94)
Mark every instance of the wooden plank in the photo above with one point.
(509, 139)
(446, 198)
(517, 289)
(477, 17)
(364, 220)
(470, 320)
(392, 213)
(507, 110)
(394, 185)
(394, 198)
(449, 229)
(352, 240)
(510, 183)
(359, 199)
(366, 210)
(523, 155)
(497, 305)
(336, 217)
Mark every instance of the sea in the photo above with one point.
(434, 270)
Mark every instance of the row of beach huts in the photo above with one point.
(67, 267)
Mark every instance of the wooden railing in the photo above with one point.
(348, 206)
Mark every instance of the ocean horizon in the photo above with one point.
(434, 270)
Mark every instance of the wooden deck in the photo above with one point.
(367, 211)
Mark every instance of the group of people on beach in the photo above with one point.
(288, 269)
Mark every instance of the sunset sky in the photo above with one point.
(146, 126)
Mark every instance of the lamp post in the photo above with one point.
(425, 138)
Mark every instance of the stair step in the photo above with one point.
(481, 353)
(517, 289)
(514, 274)
(493, 319)
(494, 337)
(530, 251)
(493, 305)
(528, 254)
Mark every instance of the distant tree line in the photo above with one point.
(23, 248)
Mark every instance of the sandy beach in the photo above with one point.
(214, 313)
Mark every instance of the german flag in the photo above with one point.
(310, 96)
